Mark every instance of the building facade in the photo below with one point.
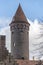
(3, 50)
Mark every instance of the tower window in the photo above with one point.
(12, 32)
(23, 58)
(14, 44)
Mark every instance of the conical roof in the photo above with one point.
(19, 16)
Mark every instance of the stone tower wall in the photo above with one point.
(20, 41)
(20, 35)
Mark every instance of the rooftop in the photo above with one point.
(19, 16)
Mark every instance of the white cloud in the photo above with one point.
(5, 30)
(34, 39)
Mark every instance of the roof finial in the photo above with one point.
(19, 5)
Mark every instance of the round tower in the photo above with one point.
(19, 35)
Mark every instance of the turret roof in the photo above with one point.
(19, 16)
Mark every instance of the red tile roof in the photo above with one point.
(19, 16)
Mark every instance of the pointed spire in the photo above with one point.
(19, 16)
(19, 5)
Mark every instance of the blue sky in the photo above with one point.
(33, 9)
